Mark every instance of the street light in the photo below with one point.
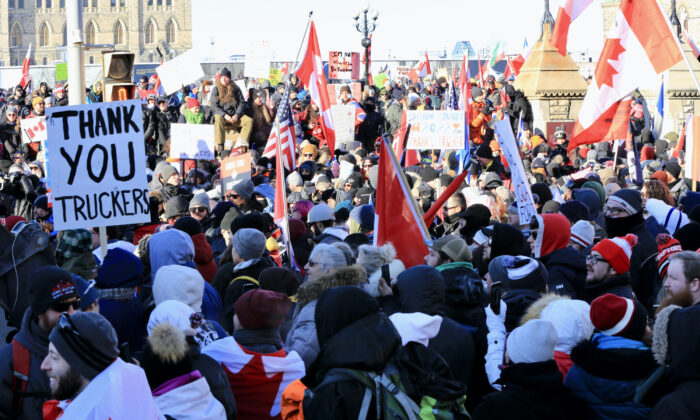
(366, 26)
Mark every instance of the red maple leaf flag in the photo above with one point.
(25, 68)
(310, 73)
(517, 62)
(570, 11)
(420, 70)
(640, 46)
(396, 218)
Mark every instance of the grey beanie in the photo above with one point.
(294, 179)
(166, 172)
(244, 189)
(248, 243)
(176, 206)
(89, 345)
(200, 200)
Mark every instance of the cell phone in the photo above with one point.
(386, 275)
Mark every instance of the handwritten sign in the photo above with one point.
(521, 188)
(33, 129)
(97, 166)
(180, 71)
(436, 130)
(192, 141)
(234, 169)
(344, 65)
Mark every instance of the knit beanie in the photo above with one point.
(661, 176)
(619, 316)
(533, 342)
(120, 269)
(582, 233)
(628, 199)
(294, 180)
(198, 200)
(178, 314)
(689, 236)
(180, 283)
(166, 172)
(591, 199)
(262, 309)
(229, 217)
(691, 200)
(484, 151)
(244, 189)
(87, 341)
(364, 216)
(519, 273)
(42, 202)
(575, 210)
(49, 285)
(189, 225)
(248, 243)
(617, 251)
(86, 290)
(667, 216)
(192, 103)
(551, 206)
(673, 168)
(177, 206)
(667, 247)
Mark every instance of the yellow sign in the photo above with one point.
(275, 76)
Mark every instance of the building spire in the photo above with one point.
(547, 19)
(673, 18)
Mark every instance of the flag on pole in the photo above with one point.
(420, 70)
(567, 14)
(463, 84)
(465, 102)
(310, 73)
(522, 138)
(286, 128)
(285, 69)
(518, 61)
(692, 150)
(681, 141)
(25, 68)
(481, 75)
(693, 46)
(658, 120)
(397, 219)
(639, 47)
(496, 55)
(437, 205)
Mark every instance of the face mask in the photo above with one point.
(151, 106)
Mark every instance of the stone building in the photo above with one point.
(135, 25)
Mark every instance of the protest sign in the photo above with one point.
(180, 71)
(275, 76)
(61, 71)
(344, 123)
(402, 71)
(242, 86)
(379, 80)
(33, 129)
(192, 141)
(334, 91)
(436, 130)
(234, 169)
(97, 166)
(521, 187)
(344, 65)
(257, 60)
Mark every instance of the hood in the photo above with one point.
(417, 327)
(568, 257)
(120, 269)
(202, 250)
(553, 233)
(613, 357)
(31, 336)
(591, 199)
(170, 247)
(508, 240)
(453, 265)
(422, 289)
(570, 318)
(352, 275)
(155, 181)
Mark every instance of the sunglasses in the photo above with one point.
(308, 155)
(233, 196)
(34, 168)
(65, 306)
(198, 209)
(90, 355)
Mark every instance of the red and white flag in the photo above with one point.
(518, 61)
(692, 149)
(287, 135)
(396, 219)
(310, 73)
(285, 69)
(463, 85)
(639, 47)
(420, 70)
(567, 14)
(25, 68)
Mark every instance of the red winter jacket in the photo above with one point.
(204, 257)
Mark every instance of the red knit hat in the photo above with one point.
(617, 251)
(618, 316)
(660, 176)
(262, 309)
(667, 247)
(192, 102)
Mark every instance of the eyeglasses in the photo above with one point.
(594, 259)
(64, 306)
(198, 209)
(233, 196)
(308, 155)
(89, 354)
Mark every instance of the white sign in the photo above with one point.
(257, 60)
(436, 130)
(242, 87)
(33, 129)
(521, 188)
(97, 166)
(192, 141)
(344, 123)
(180, 71)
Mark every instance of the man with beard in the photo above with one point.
(87, 379)
(624, 215)
(23, 386)
(682, 283)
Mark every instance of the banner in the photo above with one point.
(97, 169)
(344, 65)
(180, 71)
(33, 129)
(257, 60)
(234, 169)
(192, 141)
(436, 130)
(344, 120)
(521, 188)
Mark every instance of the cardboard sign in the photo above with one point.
(180, 71)
(97, 166)
(344, 65)
(402, 71)
(344, 122)
(242, 86)
(521, 188)
(192, 141)
(275, 77)
(436, 130)
(334, 91)
(257, 60)
(33, 129)
(234, 169)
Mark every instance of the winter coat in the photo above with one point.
(11, 138)
(216, 378)
(188, 397)
(531, 391)
(392, 118)
(478, 125)
(36, 341)
(236, 106)
(519, 103)
(678, 189)
(606, 373)
(517, 302)
(204, 257)
(331, 235)
(617, 285)
(566, 269)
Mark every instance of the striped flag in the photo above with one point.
(658, 120)
(689, 40)
(420, 70)
(25, 69)
(518, 61)
(567, 14)
(286, 128)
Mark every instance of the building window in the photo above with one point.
(122, 3)
(170, 32)
(43, 35)
(44, 61)
(118, 32)
(90, 33)
(149, 32)
(16, 36)
(62, 4)
(112, 3)
(11, 4)
(20, 4)
(65, 35)
(85, 3)
(38, 4)
(159, 2)
(48, 4)
(150, 57)
(92, 60)
(168, 2)
(150, 2)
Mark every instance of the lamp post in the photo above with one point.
(366, 25)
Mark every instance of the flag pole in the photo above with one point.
(296, 59)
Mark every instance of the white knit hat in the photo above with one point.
(667, 216)
(180, 283)
(176, 313)
(533, 342)
(582, 233)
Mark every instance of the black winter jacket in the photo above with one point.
(566, 269)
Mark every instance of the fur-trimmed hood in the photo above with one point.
(353, 275)
(659, 344)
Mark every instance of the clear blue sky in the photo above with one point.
(404, 26)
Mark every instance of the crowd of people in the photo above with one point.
(589, 310)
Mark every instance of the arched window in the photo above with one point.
(90, 33)
(44, 61)
(43, 35)
(16, 36)
(170, 32)
(65, 35)
(149, 32)
(118, 32)
(168, 2)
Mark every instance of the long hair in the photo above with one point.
(226, 92)
(261, 116)
(657, 189)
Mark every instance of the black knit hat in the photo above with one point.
(484, 151)
(521, 273)
(49, 285)
(225, 72)
(189, 225)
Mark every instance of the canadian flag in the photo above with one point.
(285, 69)
(518, 61)
(396, 218)
(420, 70)
(567, 14)
(463, 85)
(310, 73)
(639, 47)
(25, 68)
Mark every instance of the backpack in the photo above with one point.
(21, 360)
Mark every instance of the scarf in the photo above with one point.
(193, 118)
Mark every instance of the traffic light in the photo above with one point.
(117, 71)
